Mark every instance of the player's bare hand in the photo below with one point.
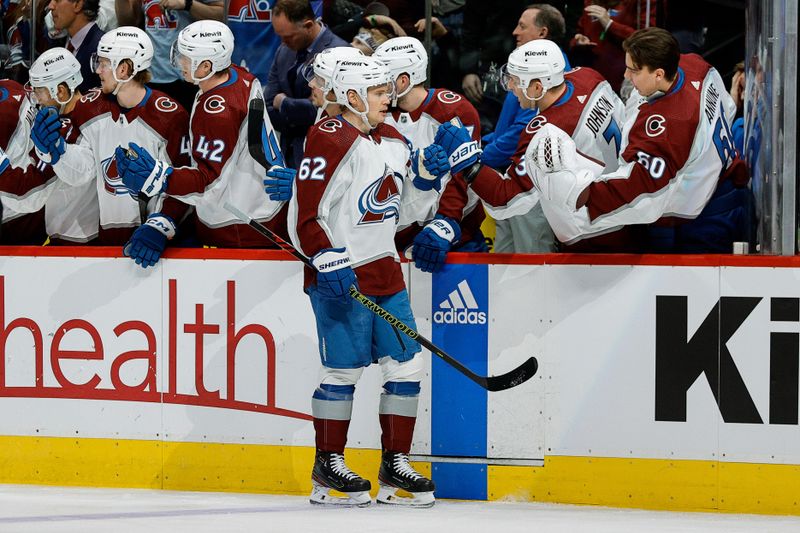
(278, 100)
(737, 89)
(598, 14)
(472, 87)
(437, 28)
(382, 20)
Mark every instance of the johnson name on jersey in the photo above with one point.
(588, 111)
(675, 149)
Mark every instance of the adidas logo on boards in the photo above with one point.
(460, 307)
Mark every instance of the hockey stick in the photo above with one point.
(260, 141)
(515, 377)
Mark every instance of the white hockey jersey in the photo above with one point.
(71, 213)
(676, 148)
(588, 111)
(347, 194)
(420, 127)
(222, 169)
(158, 124)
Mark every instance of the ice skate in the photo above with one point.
(331, 473)
(397, 475)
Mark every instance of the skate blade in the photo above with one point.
(388, 495)
(321, 495)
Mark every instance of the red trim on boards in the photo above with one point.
(764, 261)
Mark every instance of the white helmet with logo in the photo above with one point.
(540, 59)
(319, 70)
(359, 74)
(54, 67)
(204, 40)
(126, 42)
(404, 55)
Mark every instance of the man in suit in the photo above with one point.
(287, 92)
(77, 18)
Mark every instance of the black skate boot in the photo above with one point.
(330, 473)
(397, 474)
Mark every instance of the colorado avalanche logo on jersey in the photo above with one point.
(111, 180)
(381, 200)
(655, 125)
(249, 11)
(158, 18)
(448, 97)
(91, 95)
(214, 104)
(165, 104)
(535, 124)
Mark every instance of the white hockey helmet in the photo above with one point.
(204, 40)
(404, 55)
(320, 69)
(540, 59)
(54, 67)
(125, 42)
(359, 74)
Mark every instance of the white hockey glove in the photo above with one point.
(553, 164)
(551, 150)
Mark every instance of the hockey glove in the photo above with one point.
(557, 171)
(461, 150)
(143, 173)
(552, 150)
(435, 165)
(46, 135)
(433, 242)
(278, 184)
(334, 275)
(149, 240)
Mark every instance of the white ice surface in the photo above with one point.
(28, 509)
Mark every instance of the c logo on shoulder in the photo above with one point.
(91, 95)
(214, 104)
(535, 124)
(165, 104)
(448, 97)
(330, 126)
(654, 126)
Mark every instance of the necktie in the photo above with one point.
(70, 48)
(298, 62)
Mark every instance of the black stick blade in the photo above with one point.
(515, 377)
(255, 122)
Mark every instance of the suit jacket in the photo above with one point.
(297, 113)
(84, 57)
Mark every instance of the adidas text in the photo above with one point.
(459, 316)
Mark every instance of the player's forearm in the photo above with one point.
(201, 11)
(30, 202)
(454, 199)
(496, 191)
(76, 165)
(129, 12)
(190, 180)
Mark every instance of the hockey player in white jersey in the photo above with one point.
(71, 213)
(343, 217)
(452, 219)
(318, 73)
(580, 102)
(679, 172)
(222, 168)
(123, 110)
